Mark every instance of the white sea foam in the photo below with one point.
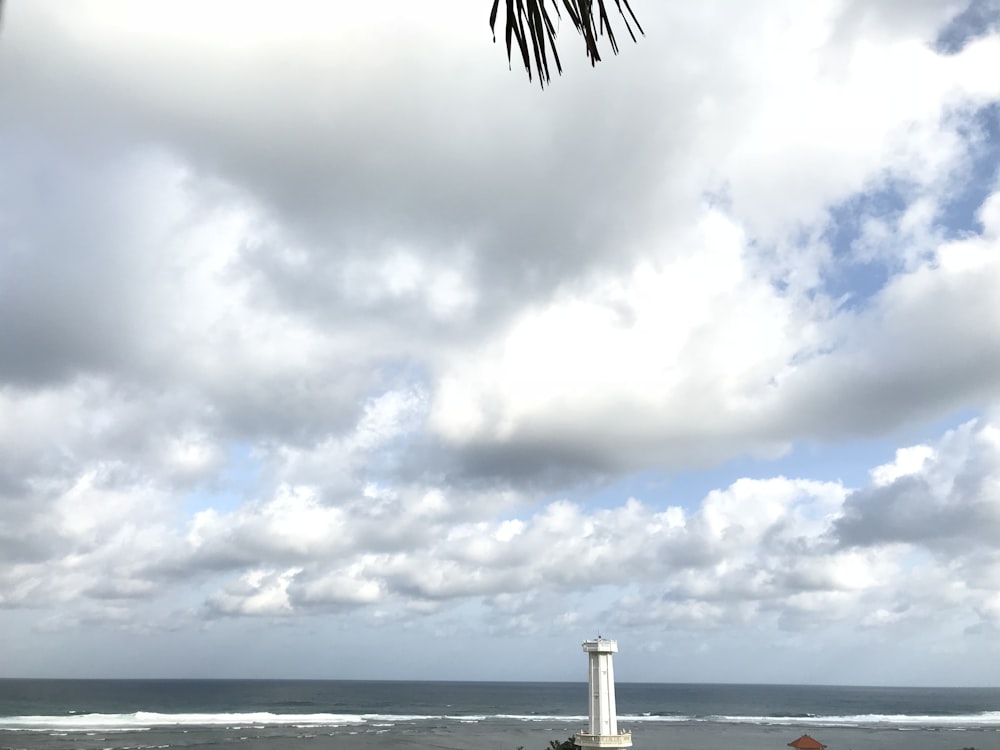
(984, 719)
(535, 717)
(397, 717)
(145, 720)
(652, 718)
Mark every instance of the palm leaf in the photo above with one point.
(533, 15)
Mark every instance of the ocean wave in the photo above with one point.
(147, 720)
(536, 717)
(654, 718)
(983, 719)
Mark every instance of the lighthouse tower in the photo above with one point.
(603, 729)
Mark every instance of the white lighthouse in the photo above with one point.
(603, 729)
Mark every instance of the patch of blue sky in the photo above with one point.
(402, 371)
(856, 273)
(847, 462)
(231, 487)
(857, 277)
(407, 375)
(979, 18)
(982, 134)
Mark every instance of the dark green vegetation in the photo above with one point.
(530, 24)
(571, 745)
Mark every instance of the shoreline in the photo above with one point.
(500, 734)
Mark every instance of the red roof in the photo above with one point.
(805, 742)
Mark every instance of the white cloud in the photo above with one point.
(258, 592)
(306, 315)
(949, 502)
(908, 461)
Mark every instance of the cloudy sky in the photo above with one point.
(332, 347)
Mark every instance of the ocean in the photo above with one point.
(344, 715)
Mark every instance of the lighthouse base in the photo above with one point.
(588, 741)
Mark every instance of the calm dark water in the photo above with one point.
(317, 715)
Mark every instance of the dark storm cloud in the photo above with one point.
(357, 170)
(459, 191)
(951, 503)
(574, 454)
(541, 465)
(89, 293)
(450, 174)
(24, 539)
(69, 298)
(456, 178)
(243, 264)
(907, 511)
(930, 344)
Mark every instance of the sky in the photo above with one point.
(332, 347)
